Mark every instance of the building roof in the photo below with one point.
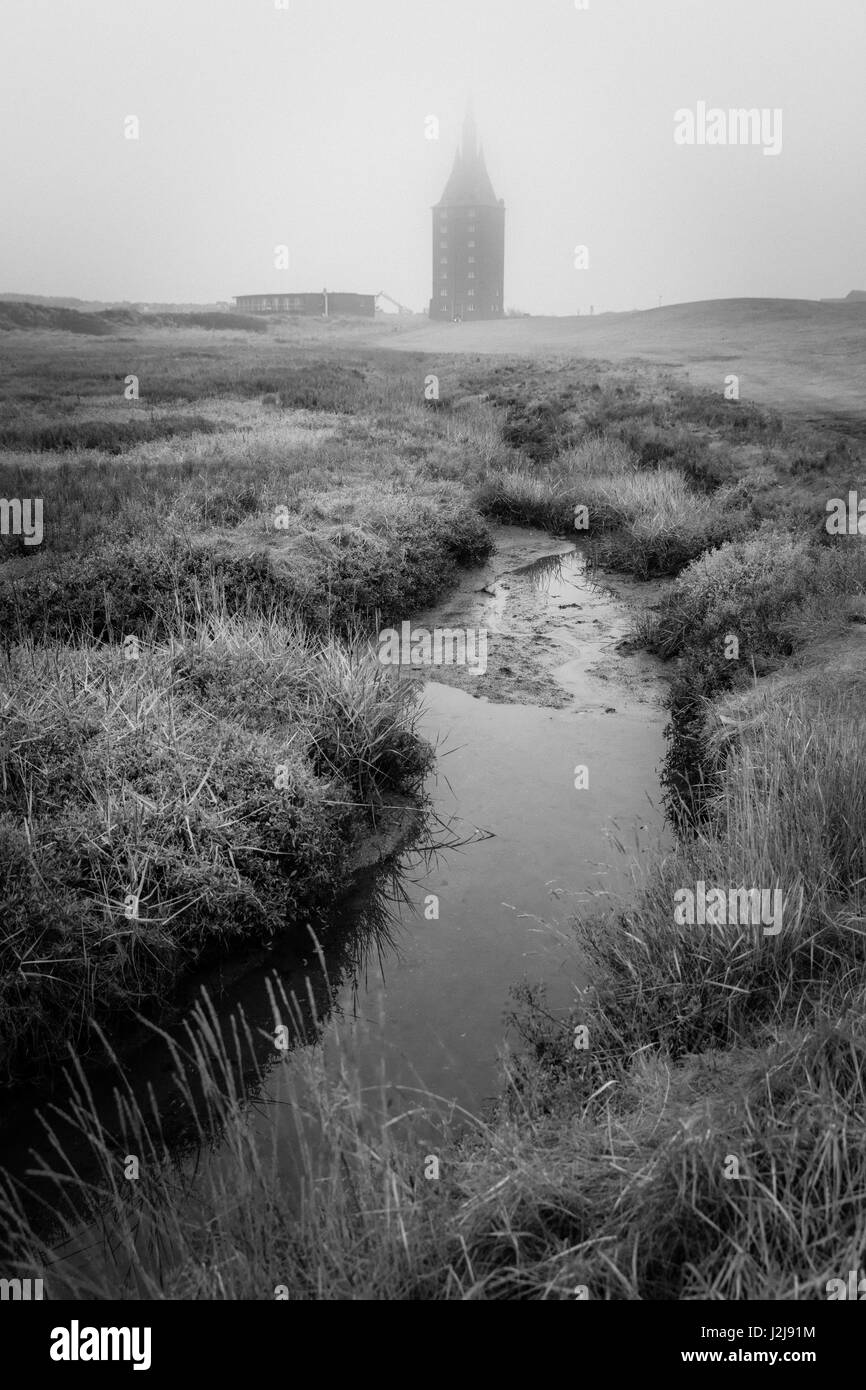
(469, 182)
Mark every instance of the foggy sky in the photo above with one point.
(305, 126)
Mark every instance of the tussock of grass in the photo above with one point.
(156, 777)
(772, 594)
(521, 497)
(398, 555)
(659, 523)
(788, 813)
(632, 1202)
(646, 520)
(771, 590)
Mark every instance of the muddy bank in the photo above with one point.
(556, 632)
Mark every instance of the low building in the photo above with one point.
(323, 304)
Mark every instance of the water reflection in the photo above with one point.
(240, 1020)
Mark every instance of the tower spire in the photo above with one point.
(469, 142)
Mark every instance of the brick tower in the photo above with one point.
(468, 239)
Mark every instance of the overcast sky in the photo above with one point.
(305, 126)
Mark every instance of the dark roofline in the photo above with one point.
(302, 294)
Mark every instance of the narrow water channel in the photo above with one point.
(556, 695)
(425, 977)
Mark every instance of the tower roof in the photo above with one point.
(469, 181)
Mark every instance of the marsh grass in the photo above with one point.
(645, 520)
(249, 641)
(332, 565)
(103, 435)
(737, 613)
(219, 1218)
(156, 778)
(605, 1167)
(774, 590)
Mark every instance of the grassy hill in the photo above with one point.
(14, 314)
(802, 354)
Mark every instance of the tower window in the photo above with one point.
(471, 229)
(470, 275)
(443, 260)
(470, 292)
(470, 243)
(471, 260)
(443, 292)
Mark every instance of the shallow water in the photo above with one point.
(425, 995)
(538, 849)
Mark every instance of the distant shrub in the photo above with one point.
(26, 315)
(248, 323)
(110, 436)
(314, 385)
(228, 506)
(537, 428)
